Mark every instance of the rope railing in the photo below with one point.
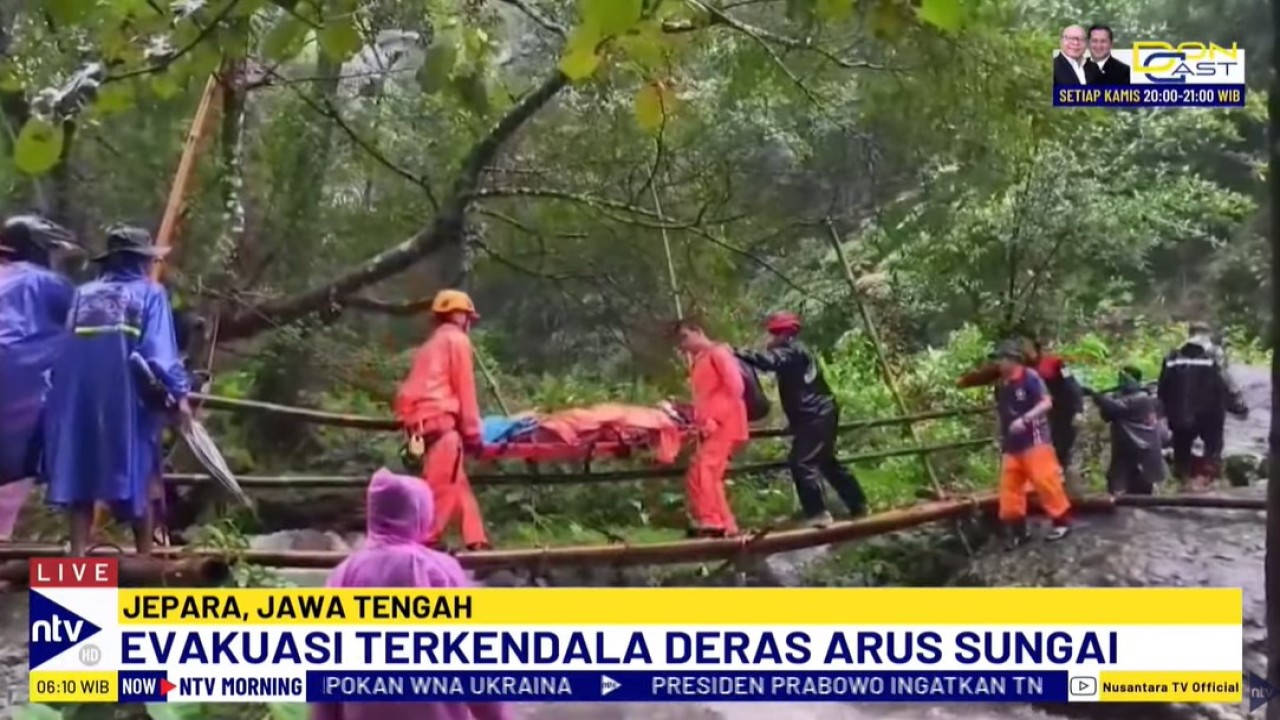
(291, 482)
(366, 422)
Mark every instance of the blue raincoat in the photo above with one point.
(33, 311)
(102, 439)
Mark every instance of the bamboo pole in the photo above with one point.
(366, 422)
(197, 135)
(615, 554)
(296, 482)
(668, 553)
(197, 138)
(666, 247)
(882, 359)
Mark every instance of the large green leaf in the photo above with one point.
(36, 711)
(115, 98)
(651, 107)
(942, 14)
(580, 58)
(340, 38)
(611, 17)
(39, 146)
(285, 39)
(646, 47)
(441, 59)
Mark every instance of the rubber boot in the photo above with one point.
(1015, 534)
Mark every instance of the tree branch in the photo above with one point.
(412, 307)
(168, 60)
(718, 16)
(444, 230)
(653, 220)
(331, 113)
(537, 17)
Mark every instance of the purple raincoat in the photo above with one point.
(34, 302)
(102, 441)
(399, 510)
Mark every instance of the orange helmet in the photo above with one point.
(450, 301)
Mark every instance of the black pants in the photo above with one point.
(1209, 429)
(813, 456)
(1134, 471)
(1063, 433)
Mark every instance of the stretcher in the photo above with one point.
(586, 434)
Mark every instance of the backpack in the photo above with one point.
(753, 394)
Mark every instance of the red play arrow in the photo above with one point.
(166, 686)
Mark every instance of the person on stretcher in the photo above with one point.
(619, 426)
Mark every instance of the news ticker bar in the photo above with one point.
(636, 686)
(1151, 96)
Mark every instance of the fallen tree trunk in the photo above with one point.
(135, 571)
(1191, 501)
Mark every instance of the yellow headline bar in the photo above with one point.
(688, 606)
(76, 686)
(1200, 687)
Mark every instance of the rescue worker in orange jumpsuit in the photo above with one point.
(437, 406)
(720, 418)
(1022, 406)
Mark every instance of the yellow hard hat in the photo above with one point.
(448, 301)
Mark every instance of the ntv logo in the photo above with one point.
(54, 629)
(1260, 692)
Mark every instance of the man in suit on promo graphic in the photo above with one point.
(1102, 68)
(1068, 64)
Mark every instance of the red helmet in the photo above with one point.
(782, 323)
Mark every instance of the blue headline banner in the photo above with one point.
(1137, 96)
(634, 686)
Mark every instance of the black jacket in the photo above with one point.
(1194, 384)
(1112, 73)
(803, 392)
(1134, 416)
(1137, 439)
(1063, 74)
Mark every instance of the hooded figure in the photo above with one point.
(102, 435)
(399, 510)
(1137, 463)
(813, 415)
(34, 302)
(1197, 392)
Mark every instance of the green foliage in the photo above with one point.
(38, 147)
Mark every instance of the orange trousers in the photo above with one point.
(704, 485)
(446, 475)
(1039, 467)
